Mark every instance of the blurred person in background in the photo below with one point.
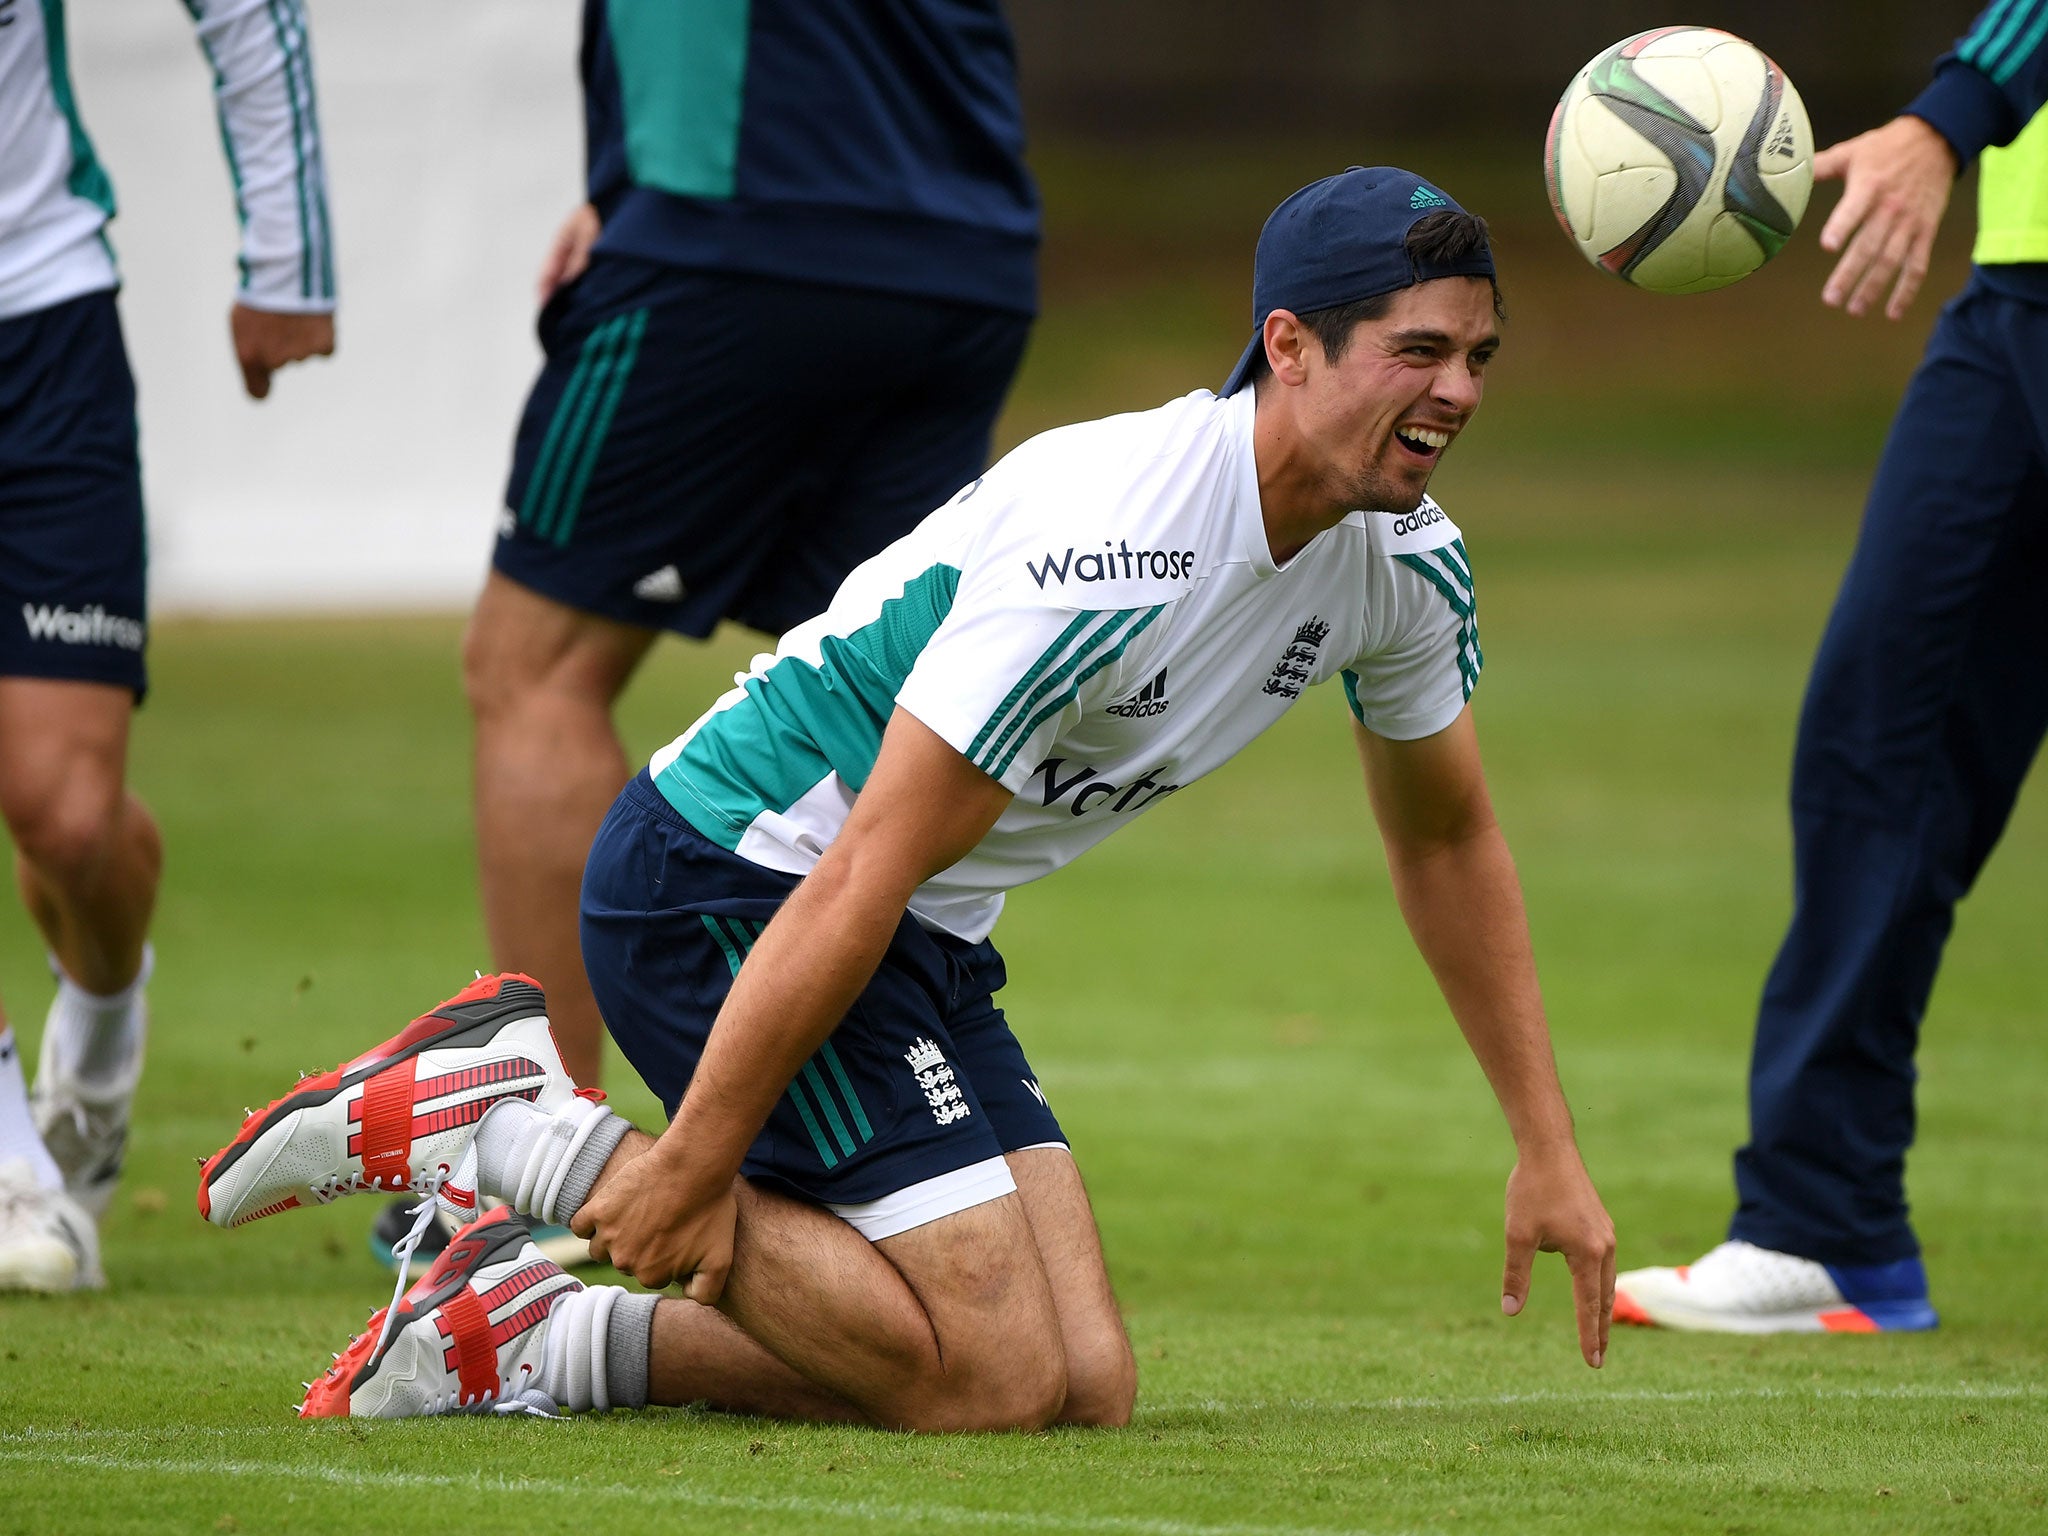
(778, 333)
(1928, 701)
(73, 619)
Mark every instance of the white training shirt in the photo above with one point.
(55, 199)
(1096, 622)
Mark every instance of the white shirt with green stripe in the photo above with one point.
(1096, 623)
(55, 199)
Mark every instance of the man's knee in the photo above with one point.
(1007, 1390)
(64, 821)
(522, 650)
(1102, 1381)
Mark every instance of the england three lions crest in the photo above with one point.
(1298, 662)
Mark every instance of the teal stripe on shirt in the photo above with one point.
(1054, 684)
(1144, 617)
(2026, 49)
(1971, 49)
(682, 76)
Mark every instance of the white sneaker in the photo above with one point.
(85, 1125)
(469, 1337)
(402, 1115)
(47, 1241)
(1741, 1288)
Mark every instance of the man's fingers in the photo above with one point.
(1606, 1299)
(255, 378)
(1831, 162)
(1847, 279)
(1912, 273)
(1514, 1279)
(1889, 247)
(1593, 1299)
(1846, 216)
(706, 1285)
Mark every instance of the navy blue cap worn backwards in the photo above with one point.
(1342, 239)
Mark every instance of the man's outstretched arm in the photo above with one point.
(669, 1214)
(270, 128)
(1457, 887)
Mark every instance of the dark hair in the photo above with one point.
(1440, 238)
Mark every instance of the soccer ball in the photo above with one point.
(1680, 159)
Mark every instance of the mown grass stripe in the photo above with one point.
(558, 426)
(593, 443)
(1025, 682)
(672, 1491)
(860, 1119)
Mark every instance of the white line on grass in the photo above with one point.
(671, 1494)
(1898, 1391)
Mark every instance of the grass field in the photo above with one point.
(1296, 1166)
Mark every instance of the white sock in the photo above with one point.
(18, 1138)
(97, 1041)
(596, 1349)
(544, 1165)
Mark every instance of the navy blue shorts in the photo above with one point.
(72, 554)
(921, 1080)
(708, 445)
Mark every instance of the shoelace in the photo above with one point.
(439, 1187)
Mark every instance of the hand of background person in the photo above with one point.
(639, 1221)
(267, 339)
(1552, 1207)
(1895, 186)
(569, 253)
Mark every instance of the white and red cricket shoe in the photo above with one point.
(469, 1337)
(400, 1116)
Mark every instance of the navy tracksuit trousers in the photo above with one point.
(1927, 702)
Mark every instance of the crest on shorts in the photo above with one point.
(936, 1080)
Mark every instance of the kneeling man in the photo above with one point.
(870, 1209)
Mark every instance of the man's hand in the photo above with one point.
(569, 253)
(1895, 185)
(267, 339)
(1552, 1207)
(636, 1223)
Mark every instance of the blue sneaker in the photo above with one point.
(1741, 1288)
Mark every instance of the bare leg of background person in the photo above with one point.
(542, 679)
(88, 855)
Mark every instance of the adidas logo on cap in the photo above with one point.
(1428, 197)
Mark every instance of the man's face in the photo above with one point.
(1379, 419)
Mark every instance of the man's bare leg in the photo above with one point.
(88, 855)
(1102, 1373)
(949, 1326)
(542, 679)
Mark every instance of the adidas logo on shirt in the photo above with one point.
(1147, 701)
